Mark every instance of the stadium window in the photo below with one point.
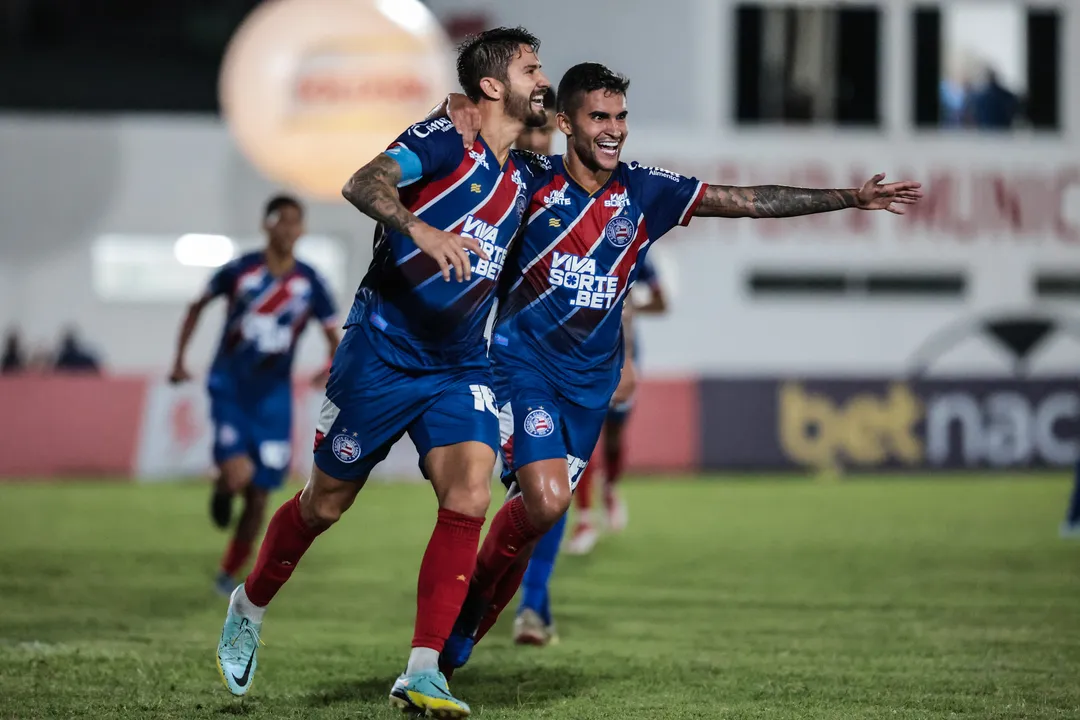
(856, 285)
(800, 64)
(1057, 286)
(991, 65)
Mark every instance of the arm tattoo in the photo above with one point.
(373, 191)
(772, 201)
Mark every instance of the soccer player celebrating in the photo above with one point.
(557, 346)
(271, 297)
(414, 357)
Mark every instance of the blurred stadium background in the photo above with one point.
(922, 370)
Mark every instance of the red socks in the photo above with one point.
(445, 571)
(287, 539)
(505, 590)
(510, 534)
(236, 555)
(613, 464)
(583, 494)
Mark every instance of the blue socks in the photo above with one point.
(538, 575)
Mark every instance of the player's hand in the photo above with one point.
(894, 197)
(450, 251)
(465, 115)
(627, 385)
(179, 375)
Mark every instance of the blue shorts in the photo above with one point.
(256, 423)
(537, 423)
(369, 405)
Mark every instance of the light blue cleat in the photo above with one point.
(237, 649)
(427, 693)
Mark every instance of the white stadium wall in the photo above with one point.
(1001, 208)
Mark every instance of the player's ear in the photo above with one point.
(562, 121)
(492, 88)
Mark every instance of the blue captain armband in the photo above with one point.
(409, 162)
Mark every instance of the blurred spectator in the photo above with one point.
(956, 88)
(14, 359)
(73, 356)
(972, 96)
(993, 106)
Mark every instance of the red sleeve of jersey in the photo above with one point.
(692, 206)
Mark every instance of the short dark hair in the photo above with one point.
(489, 54)
(583, 78)
(278, 202)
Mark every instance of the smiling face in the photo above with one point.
(525, 88)
(596, 128)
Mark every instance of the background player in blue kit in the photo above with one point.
(414, 357)
(557, 346)
(271, 297)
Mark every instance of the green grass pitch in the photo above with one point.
(885, 597)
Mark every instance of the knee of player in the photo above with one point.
(552, 506)
(238, 473)
(320, 512)
(471, 496)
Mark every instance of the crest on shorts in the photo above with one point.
(346, 449)
(539, 424)
(619, 231)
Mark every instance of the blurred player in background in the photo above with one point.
(271, 296)
(585, 532)
(1070, 529)
(414, 358)
(557, 347)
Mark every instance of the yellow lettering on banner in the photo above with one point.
(868, 430)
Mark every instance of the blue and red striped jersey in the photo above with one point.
(416, 319)
(265, 317)
(578, 258)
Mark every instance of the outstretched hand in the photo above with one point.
(465, 115)
(894, 197)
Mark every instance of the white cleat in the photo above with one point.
(1069, 531)
(583, 540)
(617, 514)
(529, 629)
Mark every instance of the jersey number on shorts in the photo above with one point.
(483, 399)
(266, 333)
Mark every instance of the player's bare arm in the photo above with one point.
(373, 191)
(179, 372)
(628, 378)
(333, 339)
(778, 201)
